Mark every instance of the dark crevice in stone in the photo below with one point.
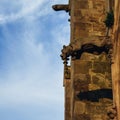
(95, 95)
(93, 49)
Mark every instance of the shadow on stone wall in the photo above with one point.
(95, 95)
(90, 48)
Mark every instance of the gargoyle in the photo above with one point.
(60, 7)
(94, 45)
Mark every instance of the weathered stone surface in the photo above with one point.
(78, 33)
(81, 82)
(100, 81)
(97, 117)
(80, 108)
(83, 4)
(82, 117)
(83, 26)
(67, 115)
(96, 108)
(93, 87)
(82, 67)
(67, 74)
(90, 72)
(78, 13)
(90, 57)
(68, 88)
(67, 105)
(99, 5)
(59, 7)
(101, 67)
(116, 57)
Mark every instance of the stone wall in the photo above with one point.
(87, 81)
(91, 85)
(87, 18)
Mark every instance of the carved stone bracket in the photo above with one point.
(94, 45)
(60, 7)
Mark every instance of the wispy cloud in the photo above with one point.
(30, 76)
(24, 8)
(31, 37)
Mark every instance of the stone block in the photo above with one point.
(68, 89)
(97, 27)
(81, 4)
(101, 81)
(82, 67)
(82, 117)
(97, 117)
(81, 82)
(79, 107)
(68, 103)
(80, 33)
(77, 13)
(90, 4)
(81, 26)
(95, 80)
(67, 115)
(76, 93)
(101, 67)
(99, 5)
(93, 87)
(96, 108)
(91, 57)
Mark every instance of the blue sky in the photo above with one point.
(31, 70)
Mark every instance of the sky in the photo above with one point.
(31, 71)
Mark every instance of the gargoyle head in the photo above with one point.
(60, 7)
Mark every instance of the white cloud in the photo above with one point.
(29, 93)
(33, 76)
(25, 9)
(32, 83)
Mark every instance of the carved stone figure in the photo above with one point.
(95, 46)
(60, 7)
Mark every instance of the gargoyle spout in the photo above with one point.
(60, 7)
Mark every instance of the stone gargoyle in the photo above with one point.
(60, 7)
(94, 44)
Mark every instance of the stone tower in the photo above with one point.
(88, 78)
